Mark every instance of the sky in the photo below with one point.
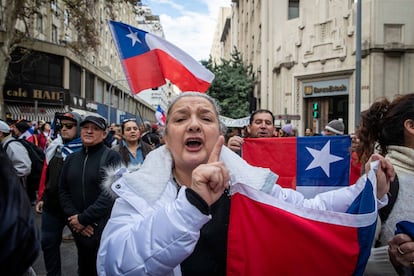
(189, 24)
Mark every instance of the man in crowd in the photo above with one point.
(86, 206)
(53, 218)
(261, 124)
(308, 132)
(16, 152)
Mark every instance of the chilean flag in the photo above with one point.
(160, 116)
(148, 60)
(308, 164)
(268, 236)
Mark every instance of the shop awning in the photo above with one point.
(27, 112)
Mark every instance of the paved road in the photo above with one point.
(68, 255)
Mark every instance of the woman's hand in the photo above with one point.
(210, 180)
(385, 174)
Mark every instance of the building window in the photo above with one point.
(66, 18)
(75, 79)
(54, 34)
(53, 5)
(36, 67)
(39, 23)
(293, 9)
(89, 86)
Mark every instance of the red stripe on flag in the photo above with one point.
(266, 240)
(277, 155)
(143, 72)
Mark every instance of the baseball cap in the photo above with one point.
(71, 116)
(98, 121)
(4, 127)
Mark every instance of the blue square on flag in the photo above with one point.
(323, 161)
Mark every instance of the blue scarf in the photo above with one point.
(71, 147)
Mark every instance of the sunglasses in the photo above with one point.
(67, 125)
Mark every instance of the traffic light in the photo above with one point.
(315, 111)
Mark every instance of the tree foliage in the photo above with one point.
(84, 19)
(233, 85)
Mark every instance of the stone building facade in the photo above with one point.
(53, 78)
(304, 55)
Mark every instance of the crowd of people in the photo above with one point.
(69, 192)
(147, 199)
(262, 125)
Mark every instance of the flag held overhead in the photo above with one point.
(148, 60)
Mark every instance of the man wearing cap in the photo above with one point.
(335, 127)
(86, 206)
(53, 218)
(16, 152)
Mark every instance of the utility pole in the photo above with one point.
(358, 65)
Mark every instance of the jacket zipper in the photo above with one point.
(83, 178)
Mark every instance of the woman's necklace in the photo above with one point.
(177, 182)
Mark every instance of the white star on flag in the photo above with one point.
(134, 37)
(322, 158)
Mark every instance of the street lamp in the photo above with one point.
(110, 97)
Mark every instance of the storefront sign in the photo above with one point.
(30, 94)
(326, 88)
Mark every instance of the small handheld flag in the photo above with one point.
(160, 116)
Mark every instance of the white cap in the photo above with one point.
(4, 127)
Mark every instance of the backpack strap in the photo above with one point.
(5, 146)
(392, 197)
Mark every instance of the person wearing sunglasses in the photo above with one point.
(132, 148)
(53, 218)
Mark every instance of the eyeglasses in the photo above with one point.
(67, 125)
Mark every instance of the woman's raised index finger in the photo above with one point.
(215, 153)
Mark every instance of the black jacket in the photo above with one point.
(19, 234)
(51, 193)
(80, 190)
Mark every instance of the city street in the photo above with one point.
(68, 255)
